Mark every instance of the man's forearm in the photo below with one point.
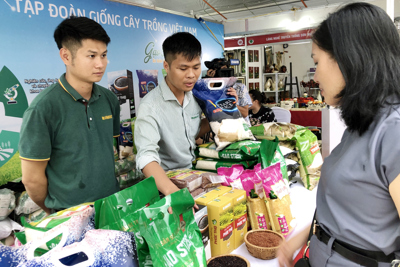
(38, 192)
(163, 183)
(35, 181)
(204, 128)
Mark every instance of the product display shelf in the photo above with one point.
(276, 77)
(303, 207)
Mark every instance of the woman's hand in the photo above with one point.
(288, 248)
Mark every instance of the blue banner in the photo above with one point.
(28, 50)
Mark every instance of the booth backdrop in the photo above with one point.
(30, 62)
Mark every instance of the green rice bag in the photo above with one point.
(310, 156)
(242, 150)
(115, 213)
(271, 154)
(214, 164)
(174, 239)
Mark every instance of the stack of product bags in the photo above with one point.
(267, 190)
(303, 141)
(125, 159)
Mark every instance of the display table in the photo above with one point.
(303, 207)
(305, 117)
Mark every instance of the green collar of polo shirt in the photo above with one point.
(74, 94)
(169, 95)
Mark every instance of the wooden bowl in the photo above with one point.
(264, 253)
(229, 255)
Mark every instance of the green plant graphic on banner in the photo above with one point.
(13, 97)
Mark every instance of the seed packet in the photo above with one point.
(311, 158)
(242, 150)
(220, 109)
(174, 239)
(277, 200)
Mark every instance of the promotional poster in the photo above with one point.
(30, 61)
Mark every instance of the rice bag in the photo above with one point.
(7, 202)
(258, 214)
(270, 154)
(311, 158)
(277, 200)
(174, 239)
(75, 221)
(220, 109)
(282, 130)
(7, 226)
(214, 165)
(25, 204)
(242, 150)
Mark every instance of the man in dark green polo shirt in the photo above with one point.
(66, 143)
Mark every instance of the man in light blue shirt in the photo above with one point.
(169, 119)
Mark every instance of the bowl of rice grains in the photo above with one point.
(228, 260)
(262, 243)
(121, 83)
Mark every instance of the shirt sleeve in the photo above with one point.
(147, 136)
(389, 155)
(35, 136)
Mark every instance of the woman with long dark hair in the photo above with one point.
(259, 114)
(357, 54)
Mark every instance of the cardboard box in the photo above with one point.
(213, 194)
(239, 215)
(220, 226)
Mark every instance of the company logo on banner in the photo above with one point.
(271, 38)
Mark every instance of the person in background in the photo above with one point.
(66, 142)
(259, 114)
(357, 58)
(238, 90)
(169, 118)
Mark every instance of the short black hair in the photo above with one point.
(364, 42)
(257, 95)
(71, 31)
(181, 43)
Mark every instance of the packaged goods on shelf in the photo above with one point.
(242, 150)
(213, 194)
(221, 228)
(239, 215)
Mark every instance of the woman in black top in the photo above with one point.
(257, 112)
